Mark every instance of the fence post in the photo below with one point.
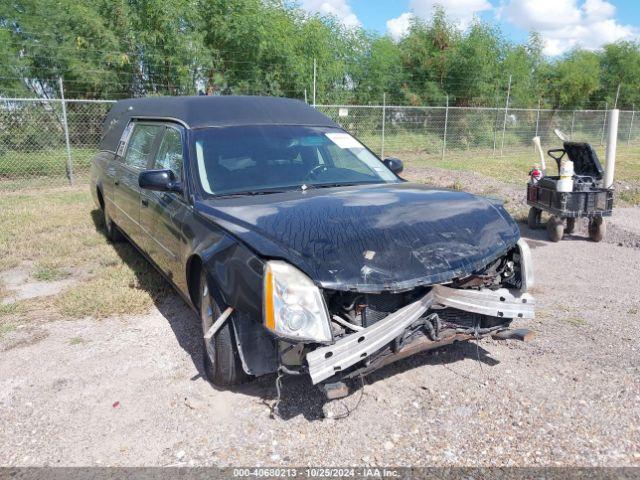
(538, 117)
(384, 114)
(444, 136)
(314, 82)
(506, 109)
(495, 127)
(65, 127)
(604, 122)
(633, 113)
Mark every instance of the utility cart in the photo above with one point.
(588, 198)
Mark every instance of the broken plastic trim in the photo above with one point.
(503, 303)
(526, 265)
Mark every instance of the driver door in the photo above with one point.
(162, 213)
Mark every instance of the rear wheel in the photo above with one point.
(571, 225)
(110, 228)
(596, 229)
(555, 228)
(533, 220)
(221, 359)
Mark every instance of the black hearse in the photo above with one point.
(302, 252)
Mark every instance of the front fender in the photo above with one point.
(237, 274)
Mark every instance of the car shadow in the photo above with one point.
(539, 238)
(297, 394)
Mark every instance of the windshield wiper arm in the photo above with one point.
(329, 185)
(248, 193)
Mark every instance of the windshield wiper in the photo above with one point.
(330, 185)
(247, 193)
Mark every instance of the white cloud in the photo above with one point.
(565, 24)
(336, 8)
(598, 10)
(460, 11)
(398, 27)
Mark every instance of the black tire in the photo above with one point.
(555, 229)
(110, 228)
(571, 225)
(533, 220)
(597, 229)
(222, 363)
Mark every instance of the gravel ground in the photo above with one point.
(129, 390)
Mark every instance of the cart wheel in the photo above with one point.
(571, 225)
(533, 220)
(555, 228)
(596, 229)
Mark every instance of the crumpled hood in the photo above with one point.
(370, 238)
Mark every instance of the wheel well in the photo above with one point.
(194, 267)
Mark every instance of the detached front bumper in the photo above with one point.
(325, 362)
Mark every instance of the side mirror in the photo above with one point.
(159, 180)
(394, 164)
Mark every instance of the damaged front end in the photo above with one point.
(365, 331)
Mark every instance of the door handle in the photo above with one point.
(145, 202)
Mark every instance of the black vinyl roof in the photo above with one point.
(216, 111)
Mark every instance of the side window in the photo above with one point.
(169, 155)
(141, 144)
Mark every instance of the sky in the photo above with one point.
(563, 24)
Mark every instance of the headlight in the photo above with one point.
(293, 305)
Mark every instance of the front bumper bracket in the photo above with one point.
(325, 362)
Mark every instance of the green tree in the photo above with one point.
(573, 79)
(426, 56)
(382, 72)
(620, 65)
(475, 66)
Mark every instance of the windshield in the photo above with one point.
(257, 159)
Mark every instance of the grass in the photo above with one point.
(45, 273)
(576, 321)
(60, 231)
(513, 167)
(7, 309)
(51, 162)
(6, 328)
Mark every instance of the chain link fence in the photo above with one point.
(48, 142)
(450, 132)
(52, 142)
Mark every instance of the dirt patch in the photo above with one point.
(19, 284)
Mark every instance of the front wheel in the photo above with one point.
(555, 229)
(222, 362)
(596, 229)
